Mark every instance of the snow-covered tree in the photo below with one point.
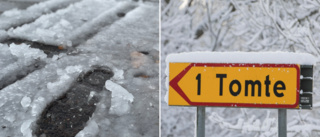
(241, 25)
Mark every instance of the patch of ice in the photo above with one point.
(120, 98)
(74, 69)
(25, 128)
(20, 51)
(25, 101)
(37, 105)
(91, 130)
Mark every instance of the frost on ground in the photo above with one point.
(134, 30)
(250, 26)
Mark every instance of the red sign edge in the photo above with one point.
(174, 84)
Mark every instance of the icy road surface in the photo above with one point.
(80, 68)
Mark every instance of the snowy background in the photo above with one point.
(246, 25)
(45, 46)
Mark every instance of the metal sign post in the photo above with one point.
(282, 122)
(201, 116)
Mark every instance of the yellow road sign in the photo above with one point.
(234, 85)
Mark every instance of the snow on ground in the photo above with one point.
(14, 113)
(120, 98)
(18, 59)
(69, 25)
(16, 17)
(128, 35)
(104, 19)
(136, 32)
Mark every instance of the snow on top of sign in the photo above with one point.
(244, 57)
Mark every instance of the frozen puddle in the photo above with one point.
(68, 115)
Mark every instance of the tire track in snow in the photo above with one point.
(23, 64)
(14, 18)
(19, 73)
(84, 33)
(73, 25)
(106, 18)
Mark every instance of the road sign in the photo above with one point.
(234, 85)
